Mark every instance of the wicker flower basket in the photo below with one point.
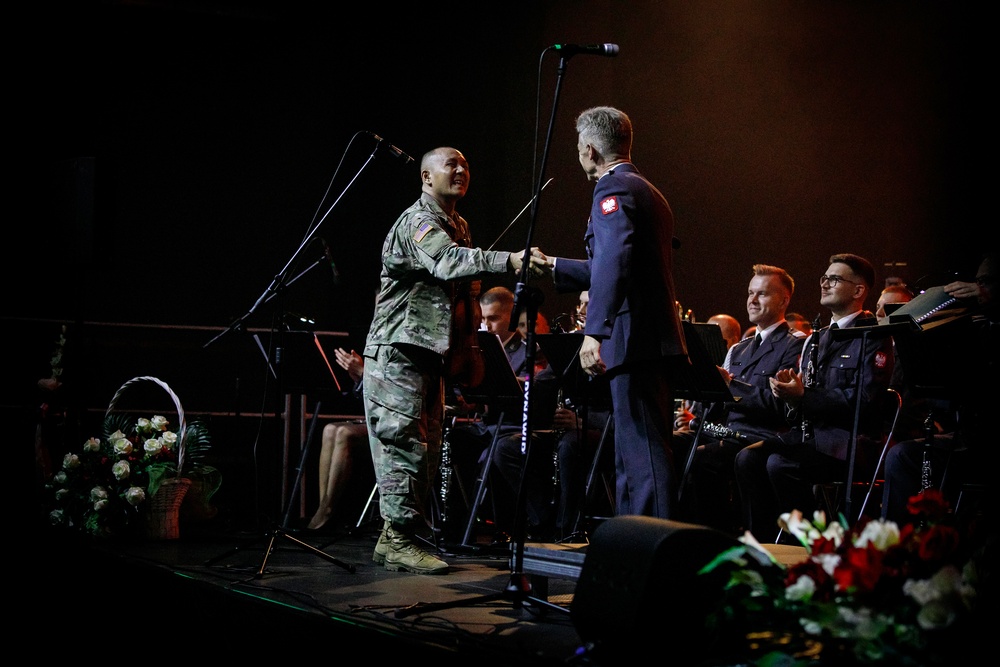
(163, 517)
(163, 513)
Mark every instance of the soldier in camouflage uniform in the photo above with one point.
(428, 267)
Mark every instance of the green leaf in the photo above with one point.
(158, 472)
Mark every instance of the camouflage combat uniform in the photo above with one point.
(424, 259)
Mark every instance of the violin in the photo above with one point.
(464, 363)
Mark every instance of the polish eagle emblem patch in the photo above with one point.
(609, 205)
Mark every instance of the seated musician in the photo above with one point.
(756, 414)
(778, 474)
(474, 426)
(345, 451)
(565, 440)
(960, 436)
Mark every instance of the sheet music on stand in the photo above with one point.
(932, 334)
(500, 385)
(304, 361)
(931, 308)
(701, 381)
(562, 353)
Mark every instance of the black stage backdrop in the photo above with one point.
(174, 153)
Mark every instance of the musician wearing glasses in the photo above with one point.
(777, 475)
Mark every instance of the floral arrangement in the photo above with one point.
(874, 592)
(104, 490)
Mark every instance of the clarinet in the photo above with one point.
(558, 434)
(809, 377)
(925, 464)
(445, 471)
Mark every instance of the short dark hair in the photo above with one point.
(861, 266)
(498, 294)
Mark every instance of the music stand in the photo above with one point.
(303, 362)
(500, 389)
(865, 333)
(301, 351)
(928, 332)
(933, 348)
(701, 380)
(562, 353)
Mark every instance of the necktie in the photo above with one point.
(755, 344)
(827, 340)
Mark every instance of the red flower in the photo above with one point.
(938, 543)
(929, 503)
(859, 569)
(823, 545)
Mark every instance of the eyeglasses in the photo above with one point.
(833, 281)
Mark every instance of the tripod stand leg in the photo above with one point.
(267, 554)
(694, 448)
(591, 473)
(308, 547)
(280, 530)
(481, 483)
(368, 505)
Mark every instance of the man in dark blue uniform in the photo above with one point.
(777, 475)
(633, 332)
(755, 414)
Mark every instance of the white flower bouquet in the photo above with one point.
(106, 489)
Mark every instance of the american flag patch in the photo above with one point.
(609, 205)
(422, 232)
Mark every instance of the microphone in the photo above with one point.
(329, 257)
(606, 50)
(395, 150)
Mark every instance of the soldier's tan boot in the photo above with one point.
(382, 545)
(403, 554)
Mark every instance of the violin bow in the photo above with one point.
(518, 215)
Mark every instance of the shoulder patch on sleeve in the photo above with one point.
(609, 205)
(880, 359)
(421, 232)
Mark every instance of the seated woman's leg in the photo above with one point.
(342, 443)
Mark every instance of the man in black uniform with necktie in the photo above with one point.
(756, 414)
(777, 475)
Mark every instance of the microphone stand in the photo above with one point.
(279, 280)
(278, 286)
(518, 589)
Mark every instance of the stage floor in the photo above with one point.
(315, 591)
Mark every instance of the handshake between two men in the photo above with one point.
(539, 264)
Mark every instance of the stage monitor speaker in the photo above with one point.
(639, 587)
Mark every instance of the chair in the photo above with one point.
(832, 495)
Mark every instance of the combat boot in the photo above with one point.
(382, 545)
(402, 554)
